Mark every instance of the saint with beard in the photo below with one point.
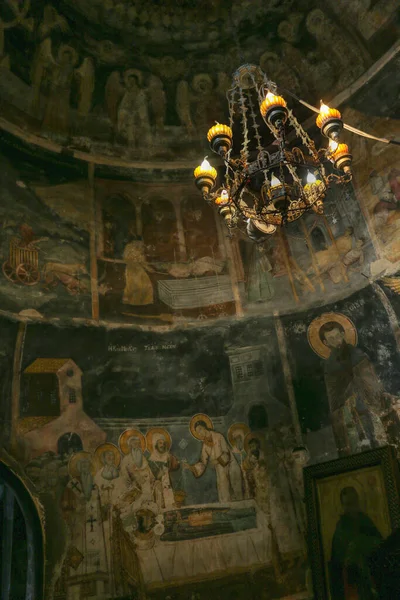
(355, 394)
(136, 475)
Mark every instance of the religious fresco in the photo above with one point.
(348, 374)
(137, 499)
(131, 526)
(376, 165)
(160, 255)
(45, 248)
(164, 382)
(175, 263)
(157, 254)
(144, 449)
(317, 258)
(100, 95)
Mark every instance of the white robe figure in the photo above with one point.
(161, 464)
(136, 479)
(216, 452)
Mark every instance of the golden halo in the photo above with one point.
(253, 436)
(194, 420)
(75, 460)
(99, 452)
(350, 332)
(235, 429)
(161, 431)
(125, 437)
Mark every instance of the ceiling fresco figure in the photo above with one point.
(57, 74)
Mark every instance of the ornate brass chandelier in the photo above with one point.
(267, 186)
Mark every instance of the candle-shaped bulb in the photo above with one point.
(311, 177)
(333, 146)
(224, 196)
(275, 181)
(324, 109)
(205, 165)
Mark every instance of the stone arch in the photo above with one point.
(22, 557)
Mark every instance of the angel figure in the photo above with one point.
(127, 107)
(158, 102)
(57, 75)
(196, 105)
(20, 18)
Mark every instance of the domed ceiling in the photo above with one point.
(105, 106)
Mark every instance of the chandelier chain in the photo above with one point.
(245, 144)
(255, 125)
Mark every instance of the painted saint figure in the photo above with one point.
(260, 284)
(109, 470)
(355, 394)
(354, 540)
(133, 115)
(108, 460)
(236, 436)
(138, 286)
(137, 478)
(216, 453)
(161, 463)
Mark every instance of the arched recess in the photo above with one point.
(160, 233)
(21, 541)
(119, 225)
(318, 239)
(201, 236)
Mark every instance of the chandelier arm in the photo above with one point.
(345, 125)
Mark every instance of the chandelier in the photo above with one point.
(267, 185)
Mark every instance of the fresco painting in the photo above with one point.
(129, 527)
(166, 383)
(45, 248)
